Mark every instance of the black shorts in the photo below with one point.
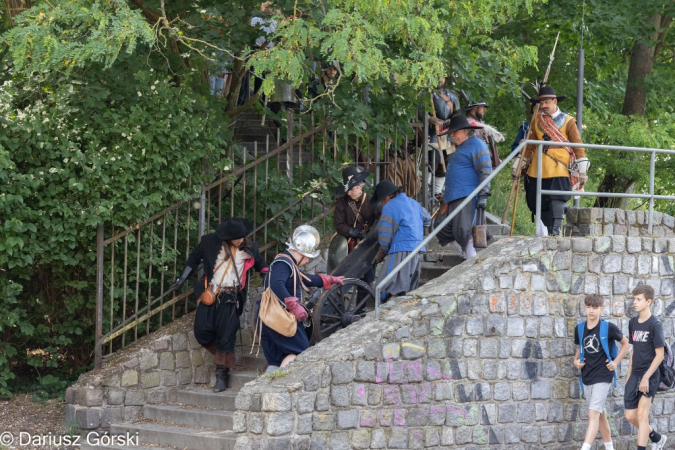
(631, 395)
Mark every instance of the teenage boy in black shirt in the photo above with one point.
(597, 371)
(643, 378)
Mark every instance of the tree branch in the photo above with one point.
(151, 15)
(663, 32)
(251, 101)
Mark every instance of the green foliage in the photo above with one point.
(63, 35)
(75, 155)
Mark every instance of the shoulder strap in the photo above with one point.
(232, 256)
(357, 212)
(580, 332)
(604, 341)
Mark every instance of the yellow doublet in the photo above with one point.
(551, 168)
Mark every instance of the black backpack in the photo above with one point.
(667, 369)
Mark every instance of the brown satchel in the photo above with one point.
(208, 297)
(273, 314)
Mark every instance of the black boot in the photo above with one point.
(222, 373)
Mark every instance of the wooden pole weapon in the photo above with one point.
(516, 182)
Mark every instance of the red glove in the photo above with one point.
(330, 280)
(294, 306)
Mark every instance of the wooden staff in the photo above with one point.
(515, 186)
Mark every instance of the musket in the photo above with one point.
(515, 186)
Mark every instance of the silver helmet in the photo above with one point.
(305, 240)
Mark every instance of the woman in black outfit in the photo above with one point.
(216, 325)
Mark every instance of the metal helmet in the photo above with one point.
(305, 240)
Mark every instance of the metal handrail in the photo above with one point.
(652, 163)
(651, 196)
(439, 227)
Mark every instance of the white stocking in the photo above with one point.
(470, 250)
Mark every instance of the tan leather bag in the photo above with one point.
(208, 297)
(274, 315)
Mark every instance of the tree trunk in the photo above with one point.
(635, 103)
(238, 72)
(641, 63)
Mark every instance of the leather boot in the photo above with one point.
(222, 373)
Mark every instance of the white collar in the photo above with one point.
(556, 113)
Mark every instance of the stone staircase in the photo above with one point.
(192, 418)
(438, 260)
(249, 131)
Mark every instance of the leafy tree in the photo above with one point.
(106, 117)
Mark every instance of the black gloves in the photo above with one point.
(180, 280)
(358, 234)
(481, 202)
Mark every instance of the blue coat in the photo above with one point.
(401, 226)
(467, 167)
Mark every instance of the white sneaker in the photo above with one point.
(659, 445)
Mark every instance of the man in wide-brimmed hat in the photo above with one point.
(227, 257)
(468, 167)
(400, 230)
(475, 112)
(551, 124)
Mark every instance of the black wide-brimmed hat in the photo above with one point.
(473, 105)
(460, 122)
(384, 189)
(234, 228)
(547, 92)
(353, 176)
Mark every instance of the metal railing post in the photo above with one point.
(537, 215)
(377, 161)
(652, 164)
(98, 350)
(202, 203)
(425, 160)
(289, 154)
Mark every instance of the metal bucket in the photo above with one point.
(283, 93)
(480, 230)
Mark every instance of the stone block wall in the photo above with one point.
(149, 371)
(478, 358)
(617, 222)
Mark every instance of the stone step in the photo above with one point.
(238, 378)
(86, 446)
(179, 437)
(192, 417)
(205, 398)
(431, 271)
(254, 134)
(253, 362)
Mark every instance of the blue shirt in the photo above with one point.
(401, 226)
(468, 166)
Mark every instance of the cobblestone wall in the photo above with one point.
(147, 372)
(479, 358)
(617, 222)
